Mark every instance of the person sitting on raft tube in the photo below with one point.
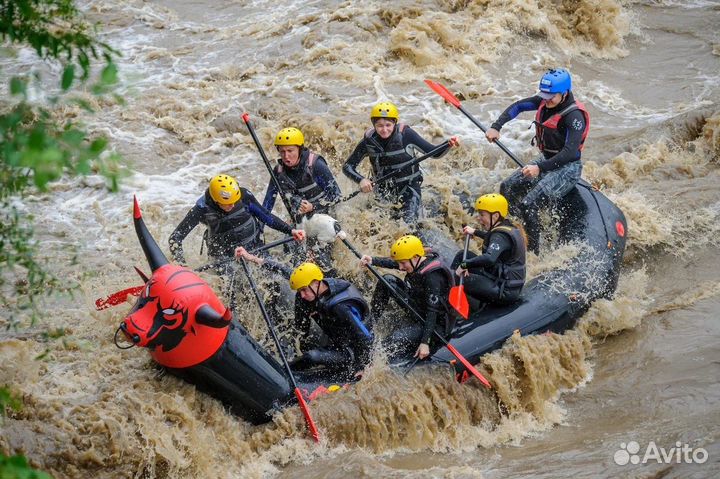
(497, 275)
(390, 146)
(426, 287)
(336, 306)
(561, 126)
(303, 174)
(231, 214)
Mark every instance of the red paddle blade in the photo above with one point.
(308, 417)
(117, 298)
(468, 366)
(443, 92)
(459, 301)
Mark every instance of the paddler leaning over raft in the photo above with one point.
(232, 216)
(336, 306)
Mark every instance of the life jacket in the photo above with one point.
(169, 318)
(391, 157)
(306, 187)
(342, 291)
(509, 273)
(546, 132)
(225, 231)
(434, 264)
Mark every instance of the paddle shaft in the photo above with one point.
(465, 250)
(419, 318)
(215, 264)
(395, 172)
(120, 297)
(271, 328)
(497, 142)
(246, 119)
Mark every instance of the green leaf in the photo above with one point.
(17, 86)
(73, 137)
(109, 75)
(68, 76)
(84, 104)
(17, 467)
(98, 145)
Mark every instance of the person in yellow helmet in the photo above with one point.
(336, 306)
(306, 179)
(497, 275)
(303, 174)
(426, 286)
(232, 216)
(390, 145)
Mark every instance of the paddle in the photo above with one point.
(121, 296)
(303, 405)
(223, 262)
(393, 173)
(457, 297)
(452, 99)
(342, 235)
(286, 202)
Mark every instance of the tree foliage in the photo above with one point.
(38, 145)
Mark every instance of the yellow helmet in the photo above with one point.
(224, 190)
(304, 274)
(492, 203)
(289, 136)
(407, 247)
(384, 109)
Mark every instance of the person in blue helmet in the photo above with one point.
(561, 127)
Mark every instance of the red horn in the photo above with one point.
(142, 275)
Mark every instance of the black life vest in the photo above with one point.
(547, 133)
(392, 157)
(509, 272)
(342, 291)
(431, 264)
(305, 186)
(225, 231)
(416, 279)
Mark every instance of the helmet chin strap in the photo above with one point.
(493, 224)
(415, 265)
(316, 291)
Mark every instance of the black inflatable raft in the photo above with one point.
(252, 382)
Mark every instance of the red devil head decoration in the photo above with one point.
(178, 317)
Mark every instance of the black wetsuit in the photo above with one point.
(427, 292)
(391, 154)
(343, 316)
(498, 274)
(226, 230)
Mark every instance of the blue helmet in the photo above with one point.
(556, 80)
